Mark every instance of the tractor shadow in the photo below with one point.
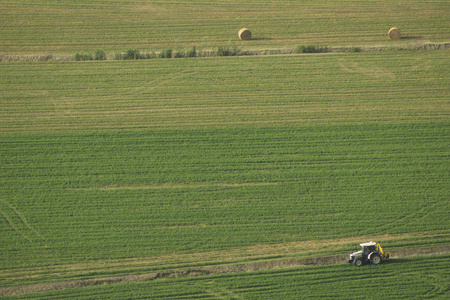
(390, 261)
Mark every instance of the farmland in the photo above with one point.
(428, 275)
(43, 26)
(223, 177)
(392, 87)
(113, 168)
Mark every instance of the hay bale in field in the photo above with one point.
(394, 33)
(245, 34)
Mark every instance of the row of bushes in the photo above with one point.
(167, 53)
(97, 55)
(311, 49)
(101, 55)
(320, 49)
(229, 50)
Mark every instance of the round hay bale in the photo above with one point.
(394, 33)
(245, 34)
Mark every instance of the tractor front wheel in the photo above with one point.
(375, 259)
(358, 262)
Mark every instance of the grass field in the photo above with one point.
(145, 194)
(112, 168)
(393, 87)
(67, 26)
(393, 280)
(230, 172)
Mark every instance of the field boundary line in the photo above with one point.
(249, 52)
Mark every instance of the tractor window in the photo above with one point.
(369, 249)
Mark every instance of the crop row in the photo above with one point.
(32, 26)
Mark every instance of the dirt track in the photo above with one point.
(245, 267)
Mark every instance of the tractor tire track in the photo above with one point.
(17, 222)
(245, 267)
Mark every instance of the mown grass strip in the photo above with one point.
(400, 278)
(222, 92)
(258, 257)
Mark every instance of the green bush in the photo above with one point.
(166, 53)
(180, 53)
(192, 52)
(311, 49)
(132, 54)
(227, 51)
(83, 56)
(99, 55)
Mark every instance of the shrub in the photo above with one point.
(166, 53)
(132, 54)
(149, 55)
(227, 51)
(99, 55)
(311, 49)
(192, 52)
(179, 54)
(83, 56)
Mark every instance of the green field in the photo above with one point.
(212, 166)
(67, 26)
(220, 92)
(151, 193)
(111, 168)
(393, 280)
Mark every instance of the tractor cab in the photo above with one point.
(368, 247)
(370, 252)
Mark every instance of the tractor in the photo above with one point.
(370, 252)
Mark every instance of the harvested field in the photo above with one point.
(68, 27)
(221, 92)
(237, 268)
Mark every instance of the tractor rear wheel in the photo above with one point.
(375, 259)
(358, 262)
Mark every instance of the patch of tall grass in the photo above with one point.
(97, 55)
(311, 49)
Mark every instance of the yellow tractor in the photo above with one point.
(370, 252)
